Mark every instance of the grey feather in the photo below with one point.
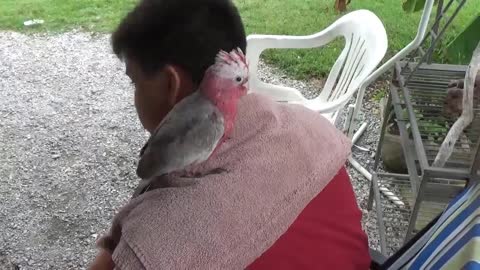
(187, 135)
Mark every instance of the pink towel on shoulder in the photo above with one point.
(279, 158)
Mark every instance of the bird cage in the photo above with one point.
(405, 203)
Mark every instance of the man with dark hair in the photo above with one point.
(283, 199)
(161, 40)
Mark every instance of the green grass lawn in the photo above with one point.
(63, 15)
(293, 17)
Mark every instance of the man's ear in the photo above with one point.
(179, 82)
(174, 84)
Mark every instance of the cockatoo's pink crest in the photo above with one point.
(232, 57)
(227, 78)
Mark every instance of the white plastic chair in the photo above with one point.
(365, 46)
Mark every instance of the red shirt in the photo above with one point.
(326, 235)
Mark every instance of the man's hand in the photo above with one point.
(103, 261)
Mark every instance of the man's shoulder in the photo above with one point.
(259, 114)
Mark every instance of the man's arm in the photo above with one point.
(103, 261)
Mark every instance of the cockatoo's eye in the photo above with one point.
(238, 79)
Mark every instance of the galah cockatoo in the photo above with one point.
(199, 123)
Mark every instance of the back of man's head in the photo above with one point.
(186, 33)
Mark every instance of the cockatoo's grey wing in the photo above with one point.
(187, 135)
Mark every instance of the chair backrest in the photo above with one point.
(365, 46)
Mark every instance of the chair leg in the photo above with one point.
(359, 168)
(349, 123)
(359, 132)
(370, 197)
(383, 129)
(378, 259)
